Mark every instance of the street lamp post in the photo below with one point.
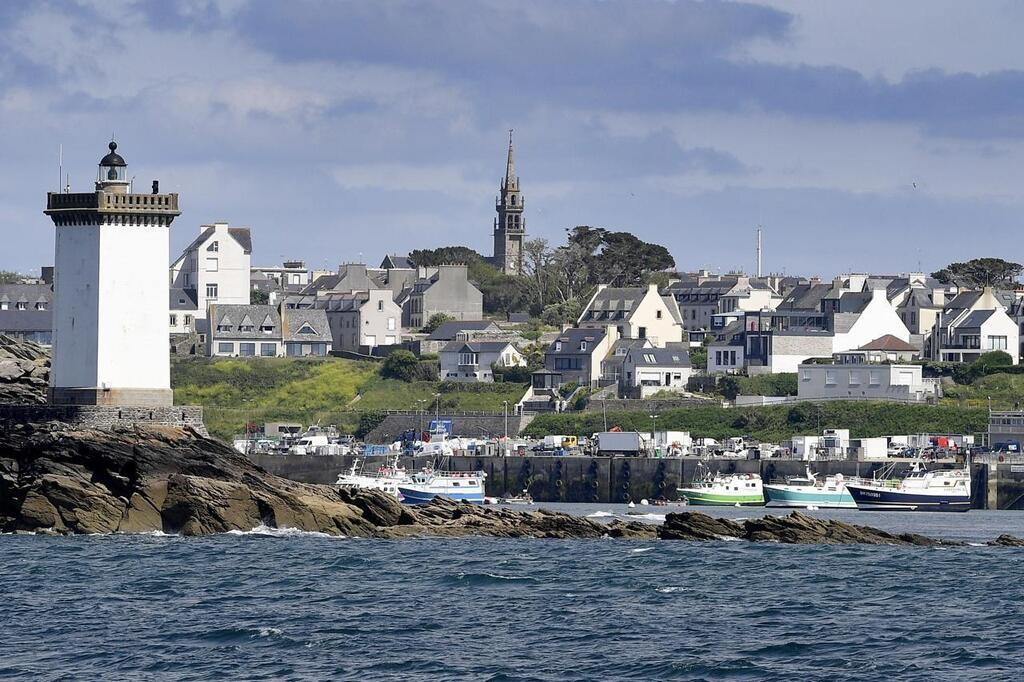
(504, 442)
(654, 430)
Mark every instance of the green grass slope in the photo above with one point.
(337, 391)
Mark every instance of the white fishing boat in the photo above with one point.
(943, 490)
(723, 489)
(462, 486)
(810, 491)
(387, 478)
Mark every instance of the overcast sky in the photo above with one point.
(341, 131)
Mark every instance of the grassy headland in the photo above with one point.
(337, 391)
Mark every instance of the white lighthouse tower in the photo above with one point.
(110, 338)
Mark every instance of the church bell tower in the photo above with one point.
(509, 226)
(110, 313)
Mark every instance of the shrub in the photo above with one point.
(436, 320)
(512, 375)
(368, 421)
(401, 365)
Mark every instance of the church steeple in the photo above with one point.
(509, 226)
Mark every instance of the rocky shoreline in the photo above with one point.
(57, 480)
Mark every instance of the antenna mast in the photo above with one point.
(759, 251)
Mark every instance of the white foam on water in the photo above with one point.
(267, 632)
(640, 550)
(668, 590)
(268, 531)
(600, 515)
(649, 517)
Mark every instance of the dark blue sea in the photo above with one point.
(279, 605)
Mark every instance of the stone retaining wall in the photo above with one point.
(470, 426)
(105, 416)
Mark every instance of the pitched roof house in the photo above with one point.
(634, 313)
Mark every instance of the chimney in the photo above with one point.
(156, 187)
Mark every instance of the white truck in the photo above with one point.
(619, 443)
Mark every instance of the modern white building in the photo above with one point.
(973, 323)
(864, 381)
(646, 371)
(110, 292)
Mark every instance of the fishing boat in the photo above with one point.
(809, 491)
(387, 478)
(940, 490)
(723, 489)
(462, 486)
(525, 498)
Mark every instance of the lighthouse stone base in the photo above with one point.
(115, 397)
(106, 417)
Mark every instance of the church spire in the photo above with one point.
(510, 166)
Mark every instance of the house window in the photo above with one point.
(467, 358)
(997, 342)
(583, 345)
(874, 378)
(188, 319)
(22, 305)
(306, 329)
(215, 246)
(732, 357)
(658, 314)
(41, 305)
(830, 377)
(247, 328)
(854, 378)
(805, 375)
(568, 363)
(223, 327)
(227, 347)
(211, 291)
(380, 305)
(4, 305)
(558, 346)
(212, 265)
(267, 328)
(391, 324)
(642, 333)
(370, 340)
(718, 357)
(268, 350)
(247, 350)
(649, 358)
(174, 320)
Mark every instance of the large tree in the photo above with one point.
(981, 272)
(619, 258)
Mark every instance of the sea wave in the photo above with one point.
(600, 515)
(270, 531)
(485, 578)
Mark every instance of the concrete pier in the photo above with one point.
(623, 479)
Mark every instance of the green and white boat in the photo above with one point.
(724, 490)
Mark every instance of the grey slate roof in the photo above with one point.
(315, 319)
(571, 339)
(976, 318)
(616, 299)
(448, 330)
(26, 320)
(183, 299)
(26, 293)
(222, 314)
(477, 346)
(659, 357)
(392, 262)
(239, 234)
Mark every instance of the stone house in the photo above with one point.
(576, 356)
(361, 321)
(442, 289)
(264, 331)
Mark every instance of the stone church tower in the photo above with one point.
(509, 226)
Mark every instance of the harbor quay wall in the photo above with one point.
(1006, 486)
(594, 479)
(105, 416)
(480, 425)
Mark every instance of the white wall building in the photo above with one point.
(473, 360)
(863, 381)
(635, 313)
(215, 268)
(110, 292)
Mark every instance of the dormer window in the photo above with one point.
(583, 345)
(306, 329)
(558, 346)
(267, 329)
(41, 305)
(215, 246)
(22, 305)
(223, 327)
(247, 328)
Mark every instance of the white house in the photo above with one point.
(634, 313)
(974, 323)
(214, 268)
(473, 360)
(649, 370)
